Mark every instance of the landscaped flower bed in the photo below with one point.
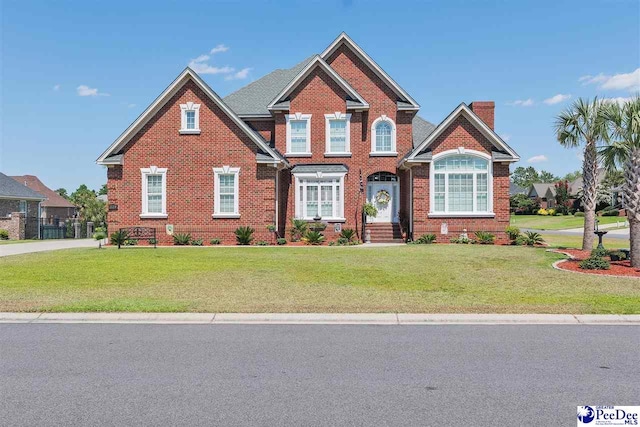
(618, 268)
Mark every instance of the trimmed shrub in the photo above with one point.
(611, 212)
(579, 214)
(461, 240)
(181, 239)
(197, 242)
(512, 233)
(130, 242)
(99, 234)
(298, 230)
(531, 238)
(313, 238)
(617, 256)
(520, 241)
(119, 237)
(595, 263)
(348, 233)
(485, 238)
(4, 234)
(281, 241)
(425, 239)
(599, 252)
(543, 212)
(244, 235)
(215, 241)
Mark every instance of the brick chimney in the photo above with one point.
(485, 110)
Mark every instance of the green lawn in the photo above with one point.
(560, 222)
(11, 242)
(558, 241)
(429, 278)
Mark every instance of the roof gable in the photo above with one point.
(165, 96)
(54, 200)
(12, 189)
(474, 120)
(316, 62)
(408, 103)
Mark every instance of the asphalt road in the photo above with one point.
(274, 375)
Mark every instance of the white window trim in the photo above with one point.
(393, 151)
(189, 106)
(298, 116)
(26, 207)
(319, 176)
(472, 214)
(226, 170)
(337, 116)
(153, 170)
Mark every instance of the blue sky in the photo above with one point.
(76, 74)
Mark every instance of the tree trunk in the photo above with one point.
(589, 192)
(631, 197)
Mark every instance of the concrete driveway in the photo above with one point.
(45, 245)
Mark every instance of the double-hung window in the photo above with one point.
(154, 192)
(320, 197)
(226, 191)
(337, 129)
(189, 118)
(461, 185)
(298, 134)
(23, 206)
(383, 137)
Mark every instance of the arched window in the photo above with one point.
(461, 184)
(383, 137)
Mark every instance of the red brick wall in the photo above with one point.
(190, 160)
(461, 133)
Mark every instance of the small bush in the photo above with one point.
(181, 239)
(313, 238)
(595, 263)
(425, 239)
(617, 256)
(543, 212)
(215, 241)
(531, 238)
(461, 240)
(119, 237)
(4, 234)
(579, 214)
(513, 233)
(271, 228)
(317, 226)
(262, 243)
(599, 252)
(298, 230)
(370, 210)
(197, 242)
(343, 241)
(130, 242)
(520, 240)
(281, 241)
(611, 212)
(153, 241)
(98, 235)
(485, 238)
(348, 233)
(244, 235)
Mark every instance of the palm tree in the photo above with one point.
(583, 124)
(623, 149)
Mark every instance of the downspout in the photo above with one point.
(277, 200)
(410, 236)
(39, 220)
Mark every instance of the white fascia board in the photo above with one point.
(161, 100)
(344, 38)
(475, 121)
(317, 61)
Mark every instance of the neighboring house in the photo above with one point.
(545, 192)
(314, 141)
(19, 209)
(516, 189)
(55, 208)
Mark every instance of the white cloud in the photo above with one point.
(56, 87)
(219, 48)
(506, 137)
(629, 81)
(537, 159)
(556, 99)
(522, 103)
(200, 66)
(240, 75)
(84, 90)
(619, 100)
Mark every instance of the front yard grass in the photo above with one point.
(560, 241)
(560, 222)
(427, 279)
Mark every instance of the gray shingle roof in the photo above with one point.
(12, 189)
(421, 130)
(325, 168)
(254, 98)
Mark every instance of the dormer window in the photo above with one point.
(383, 137)
(190, 118)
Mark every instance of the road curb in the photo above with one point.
(323, 318)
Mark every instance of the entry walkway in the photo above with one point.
(45, 245)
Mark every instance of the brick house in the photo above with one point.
(314, 141)
(19, 209)
(55, 208)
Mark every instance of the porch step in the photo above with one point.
(385, 232)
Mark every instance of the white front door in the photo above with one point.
(378, 193)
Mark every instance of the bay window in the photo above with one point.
(154, 192)
(321, 197)
(461, 184)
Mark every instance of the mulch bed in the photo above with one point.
(618, 268)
